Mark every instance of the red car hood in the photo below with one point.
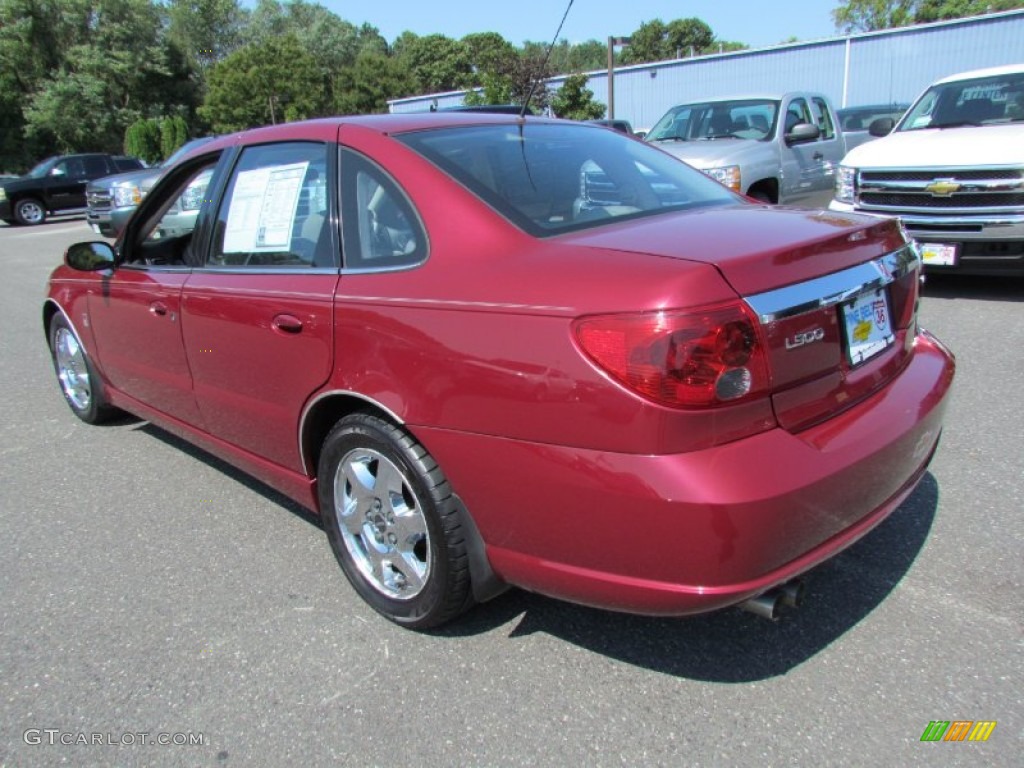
(756, 248)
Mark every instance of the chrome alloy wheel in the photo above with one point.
(382, 524)
(72, 370)
(30, 212)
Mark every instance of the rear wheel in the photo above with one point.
(78, 381)
(391, 521)
(29, 211)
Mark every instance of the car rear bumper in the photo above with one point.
(687, 533)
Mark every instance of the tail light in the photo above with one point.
(700, 357)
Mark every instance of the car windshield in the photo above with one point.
(979, 101)
(552, 178)
(737, 119)
(42, 168)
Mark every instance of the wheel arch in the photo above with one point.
(769, 187)
(319, 418)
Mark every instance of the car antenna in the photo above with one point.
(543, 66)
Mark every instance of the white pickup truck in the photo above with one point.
(952, 170)
(779, 148)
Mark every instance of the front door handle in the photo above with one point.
(158, 308)
(818, 156)
(288, 324)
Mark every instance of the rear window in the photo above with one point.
(549, 178)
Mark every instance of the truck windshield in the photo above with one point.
(42, 168)
(737, 119)
(979, 101)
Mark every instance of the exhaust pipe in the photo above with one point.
(769, 604)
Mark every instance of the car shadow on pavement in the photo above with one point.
(982, 288)
(731, 645)
(727, 646)
(231, 471)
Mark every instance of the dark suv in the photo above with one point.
(57, 185)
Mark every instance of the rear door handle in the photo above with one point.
(288, 324)
(818, 156)
(158, 308)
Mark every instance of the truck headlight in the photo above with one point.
(846, 184)
(727, 174)
(126, 196)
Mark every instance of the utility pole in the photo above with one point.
(612, 42)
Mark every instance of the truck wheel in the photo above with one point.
(761, 196)
(29, 211)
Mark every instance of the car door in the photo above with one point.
(257, 314)
(831, 148)
(801, 163)
(64, 185)
(137, 314)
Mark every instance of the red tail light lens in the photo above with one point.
(700, 357)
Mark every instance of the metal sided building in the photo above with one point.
(893, 65)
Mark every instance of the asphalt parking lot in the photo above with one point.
(149, 592)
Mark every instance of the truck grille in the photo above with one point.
(942, 189)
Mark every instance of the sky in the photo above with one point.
(756, 23)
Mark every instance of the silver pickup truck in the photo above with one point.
(779, 148)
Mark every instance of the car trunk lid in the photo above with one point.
(835, 295)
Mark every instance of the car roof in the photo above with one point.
(385, 124)
(1009, 69)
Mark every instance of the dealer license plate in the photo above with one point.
(938, 254)
(868, 326)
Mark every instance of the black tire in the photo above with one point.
(29, 211)
(761, 196)
(391, 520)
(81, 387)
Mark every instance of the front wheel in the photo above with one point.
(390, 518)
(29, 211)
(79, 383)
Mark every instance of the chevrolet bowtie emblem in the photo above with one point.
(942, 187)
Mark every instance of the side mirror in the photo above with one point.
(882, 126)
(90, 257)
(801, 133)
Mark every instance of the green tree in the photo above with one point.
(205, 31)
(869, 15)
(264, 83)
(142, 139)
(574, 101)
(940, 10)
(366, 86)
(656, 41)
(436, 63)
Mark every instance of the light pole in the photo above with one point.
(612, 42)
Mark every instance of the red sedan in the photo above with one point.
(492, 351)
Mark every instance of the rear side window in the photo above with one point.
(381, 227)
(127, 163)
(274, 212)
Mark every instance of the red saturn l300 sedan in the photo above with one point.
(491, 351)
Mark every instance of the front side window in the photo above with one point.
(550, 178)
(824, 121)
(797, 112)
(274, 212)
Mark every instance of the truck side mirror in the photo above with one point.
(882, 126)
(801, 133)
